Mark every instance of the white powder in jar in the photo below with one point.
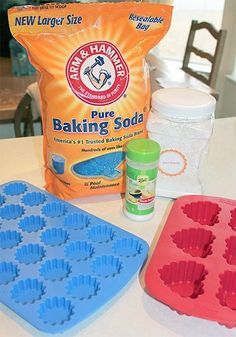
(181, 122)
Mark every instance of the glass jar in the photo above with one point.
(181, 121)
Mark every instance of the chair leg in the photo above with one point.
(22, 113)
(28, 127)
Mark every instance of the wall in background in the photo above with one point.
(226, 82)
(7, 130)
(222, 14)
(174, 43)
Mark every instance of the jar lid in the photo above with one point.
(143, 150)
(183, 103)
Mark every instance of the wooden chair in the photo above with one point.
(219, 36)
(23, 114)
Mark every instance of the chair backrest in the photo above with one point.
(23, 114)
(214, 59)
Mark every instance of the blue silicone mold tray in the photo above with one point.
(58, 263)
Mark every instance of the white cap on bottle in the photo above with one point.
(183, 103)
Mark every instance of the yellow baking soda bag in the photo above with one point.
(94, 86)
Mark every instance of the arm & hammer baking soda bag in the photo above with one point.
(94, 86)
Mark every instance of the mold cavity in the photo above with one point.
(55, 269)
(15, 189)
(127, 247)
(9, 239)
(54, 237)
(34, 199)
(203, 212)
(83, 287)
(2, 200)
(227, 291)
(53, 210)
(32, 223)
(79, 250)
(27, 291)
(184, 278)
(194, 241)
(8, 272)
(55, 310)
(232, 222)
(76, 221)
(101, 234)
(230, 252)
(30, 253)
(106, 265)
(10, 212)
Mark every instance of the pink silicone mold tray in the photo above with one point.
(193, 266)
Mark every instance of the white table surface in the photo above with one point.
(132, 313)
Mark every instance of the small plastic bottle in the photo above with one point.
(141, 173)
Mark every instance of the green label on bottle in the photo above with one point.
(140, 190)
